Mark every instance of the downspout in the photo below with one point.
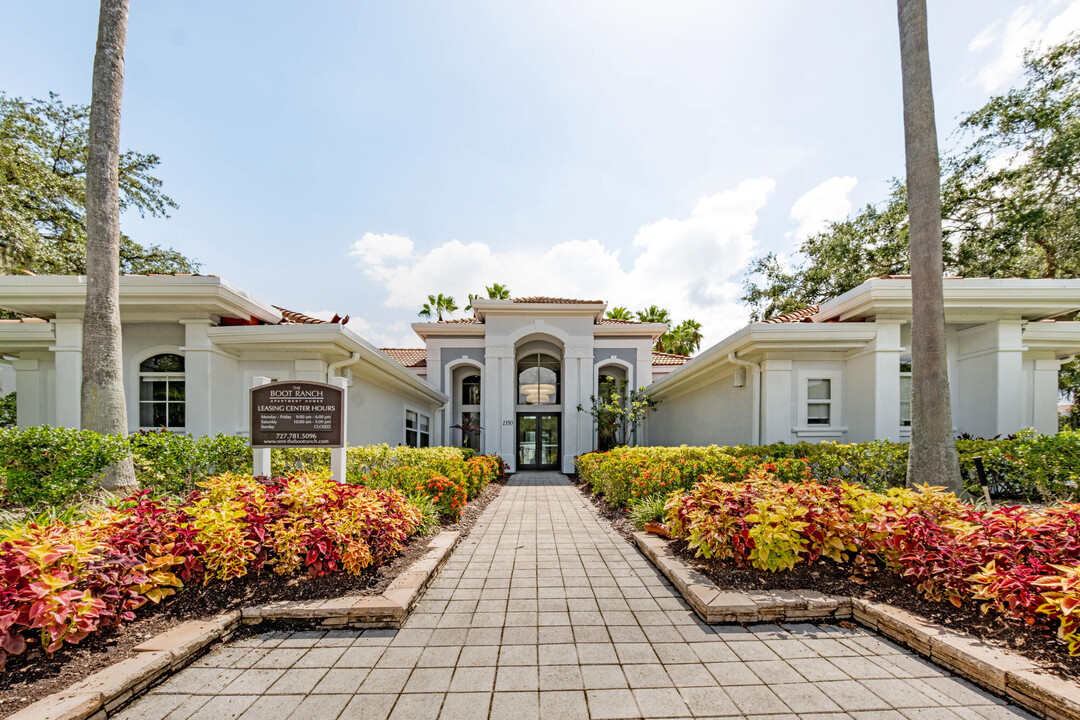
(755, 396)
(334, 367)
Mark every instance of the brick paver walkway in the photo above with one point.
(545, 611)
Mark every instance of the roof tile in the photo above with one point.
(663, 358)
(805, 314)
(409, 357)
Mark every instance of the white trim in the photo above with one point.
(448, 383)
(428, 413)
(836, 407)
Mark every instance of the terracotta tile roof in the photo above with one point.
(617, 321)
(291, 317)
(543, 299)
(795, 316)
(663, 358)
(24, 320)
(409, 357)
(460, 321)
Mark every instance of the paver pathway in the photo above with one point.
(545, 611)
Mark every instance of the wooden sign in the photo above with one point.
(297, 414)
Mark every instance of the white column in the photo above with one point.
(776, 401)
(339, 455)
(1044, 395)
(28, 392)
(886, 381)
(499, 396)
(67, 353)
(198, 377)
(1010, 371)
(260, 458)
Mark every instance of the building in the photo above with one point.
(510, 378)
(191, 348)
(842, 371)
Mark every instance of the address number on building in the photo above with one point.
(297, 414)
(508, 422)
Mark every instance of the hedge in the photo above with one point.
(1044, 468)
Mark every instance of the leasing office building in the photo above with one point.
(520, 368)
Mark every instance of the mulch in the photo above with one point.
(1038, 643)
(34, 674)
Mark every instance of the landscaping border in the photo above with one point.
(100, 695)
(995, 669)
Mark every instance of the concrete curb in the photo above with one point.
(103, 693)
(992, 668)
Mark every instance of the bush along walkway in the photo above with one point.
(545, 611)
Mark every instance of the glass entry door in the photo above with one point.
(538, 441)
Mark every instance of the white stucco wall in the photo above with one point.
(716, 412)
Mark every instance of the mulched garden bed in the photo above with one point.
(33, 675)
(1038, 644)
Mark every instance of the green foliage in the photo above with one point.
(437, 305)
(494, 292)
(617, 412)
(646, 510)
(43, 152)
(47, 465)
(1042, 468)
(8, 409)
(172, 463)
(619, 313)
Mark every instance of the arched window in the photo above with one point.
(161, 392)
(470, 412)
(538, 380)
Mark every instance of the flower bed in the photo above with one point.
(63, 581)
(1023, 564)
(1027, 467)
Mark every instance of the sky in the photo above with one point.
(353, 157)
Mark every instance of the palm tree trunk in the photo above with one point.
(932, 455)
(104, 408)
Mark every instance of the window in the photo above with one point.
(819, 401)
(905, 394)
(417, 429)
(470, 430)
(470, 390)
(538, 380)
(161, 392)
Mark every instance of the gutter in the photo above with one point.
(755, 396)
(335, 366)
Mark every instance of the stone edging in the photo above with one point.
(99, 696)
(995, 669)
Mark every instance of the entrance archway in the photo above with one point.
(539, 405)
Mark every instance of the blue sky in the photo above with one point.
(354, 157)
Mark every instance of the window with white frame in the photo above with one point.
(819, 402)
(417, 429)
(162, 391)
(905, 394)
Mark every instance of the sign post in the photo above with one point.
(260, 457)
(299, 413)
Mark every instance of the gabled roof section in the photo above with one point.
(805, 314)
(409, 357)
(291, 317)
(545, 300)
(663, 358)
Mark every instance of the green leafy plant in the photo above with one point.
(646, 510)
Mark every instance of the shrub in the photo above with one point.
(1030, 467)
(646, 510)
(52, 465)
(63, 581)
(1021, 563)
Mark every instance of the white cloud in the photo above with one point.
(828, 202)
(692, 265)
(1041, 24)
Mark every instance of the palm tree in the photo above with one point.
(494, 292)
(654, 314)
(932, 454)
(437, 305)
(620, 313)
(103, 406)
(498, 292)
(686, 337)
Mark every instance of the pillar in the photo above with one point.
(198, 377)
(776, 401)
(67, 354)
(28, 392)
